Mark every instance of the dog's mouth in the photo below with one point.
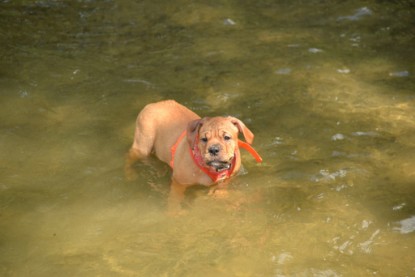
(219, 166)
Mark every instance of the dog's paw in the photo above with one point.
(130, 174)
(218, 193)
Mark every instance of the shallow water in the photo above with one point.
(328, 90)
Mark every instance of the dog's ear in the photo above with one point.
(249, 136)
(193, 131)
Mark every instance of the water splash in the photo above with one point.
(326, 175)
(283, 71)
(400, 74)
(406, 225)
(315, 50)
(359, 13)
(229, 21)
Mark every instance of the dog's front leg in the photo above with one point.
(220, 190)
(175, 198)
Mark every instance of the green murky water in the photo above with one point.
(327, 88)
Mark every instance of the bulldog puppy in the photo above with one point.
(201, 151)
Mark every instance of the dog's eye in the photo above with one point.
(204, 139)
(226, 137)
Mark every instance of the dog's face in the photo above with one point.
(217, 140)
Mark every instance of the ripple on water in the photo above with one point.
(405, 226)
(358, 14)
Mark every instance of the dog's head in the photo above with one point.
(217, 139)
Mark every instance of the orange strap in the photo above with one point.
(174, 148)
(250, 149)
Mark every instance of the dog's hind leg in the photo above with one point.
(142, 146)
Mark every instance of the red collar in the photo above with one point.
(197, 158)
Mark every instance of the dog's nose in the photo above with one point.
(214, 150)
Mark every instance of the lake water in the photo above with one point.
(327, 87)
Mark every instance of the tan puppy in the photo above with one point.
(200, 151)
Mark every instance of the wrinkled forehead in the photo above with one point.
(216, 124)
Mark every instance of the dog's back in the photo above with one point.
(158, 126)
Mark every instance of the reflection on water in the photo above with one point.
(406, 225)
(327, 88)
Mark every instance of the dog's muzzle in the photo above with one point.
(219, 165)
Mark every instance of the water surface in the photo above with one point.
(327, 88)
